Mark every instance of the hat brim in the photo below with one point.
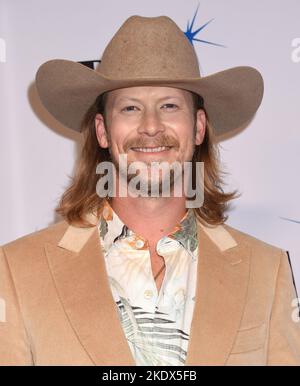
(231, 97)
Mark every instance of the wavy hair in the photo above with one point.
(81, 198)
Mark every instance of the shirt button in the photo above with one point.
(148, 294)
(139, 243)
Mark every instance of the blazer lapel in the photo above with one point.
(222, 281)
(78, 268)
(83, 287)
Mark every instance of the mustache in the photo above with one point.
(154, 142)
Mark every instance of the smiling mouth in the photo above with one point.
(151, 149)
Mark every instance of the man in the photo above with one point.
(142, 279)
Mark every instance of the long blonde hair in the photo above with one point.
(81, 198)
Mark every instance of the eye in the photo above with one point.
(129, 108)
(169, 106)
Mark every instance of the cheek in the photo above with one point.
(187, 144)
(116, 136)
(116, 148)
(185, 131)
(187, 150)
(182, 124)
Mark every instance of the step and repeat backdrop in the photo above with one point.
(262, 161)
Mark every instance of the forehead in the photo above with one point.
(148, 93)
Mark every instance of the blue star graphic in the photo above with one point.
(191, 35)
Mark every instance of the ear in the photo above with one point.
(200, 126)
(101, 131)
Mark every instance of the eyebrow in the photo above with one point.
(128, 98)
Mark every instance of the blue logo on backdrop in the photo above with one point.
(189, 33)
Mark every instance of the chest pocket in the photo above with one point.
(250, 339)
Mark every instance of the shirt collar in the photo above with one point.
(111, 228)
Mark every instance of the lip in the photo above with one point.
(151, 152)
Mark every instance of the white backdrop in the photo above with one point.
(37, 154)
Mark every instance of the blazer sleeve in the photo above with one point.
(14, 342)
(284, 335)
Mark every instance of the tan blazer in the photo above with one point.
(57, 307)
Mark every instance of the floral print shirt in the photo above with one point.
(156, 325)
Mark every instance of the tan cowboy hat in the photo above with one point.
(149, 51)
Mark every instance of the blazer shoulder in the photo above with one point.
(260, 250)
(265, 259)
(34, 242)
(251, 240)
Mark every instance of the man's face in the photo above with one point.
(150, 124)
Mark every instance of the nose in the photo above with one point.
(151, 123)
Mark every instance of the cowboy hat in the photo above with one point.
(149, 51)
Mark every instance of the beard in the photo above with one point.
(162, 180)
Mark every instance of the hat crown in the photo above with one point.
(149, 47)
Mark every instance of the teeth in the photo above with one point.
(151, 149)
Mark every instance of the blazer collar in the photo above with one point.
(79, 272)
